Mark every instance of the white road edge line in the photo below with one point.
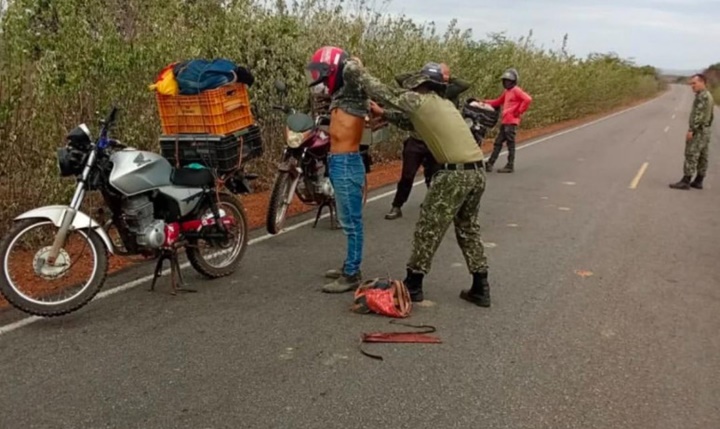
(135, 283)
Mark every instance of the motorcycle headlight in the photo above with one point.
(469, 122)
(70, 162)
(294, 139)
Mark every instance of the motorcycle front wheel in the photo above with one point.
(33, 285)
(279, 203)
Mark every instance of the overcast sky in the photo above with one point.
(670, 34)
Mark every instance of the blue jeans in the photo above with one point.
(347, 175)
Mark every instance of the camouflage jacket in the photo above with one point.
(454, 89)
(351, 97)
(701, 115)
(451, 142)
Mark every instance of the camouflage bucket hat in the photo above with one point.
(418, 79)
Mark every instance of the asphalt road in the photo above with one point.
(634, 345)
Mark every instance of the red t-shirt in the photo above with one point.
(514, 102)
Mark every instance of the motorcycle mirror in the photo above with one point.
(280, 87)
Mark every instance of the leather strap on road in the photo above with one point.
(400, 337)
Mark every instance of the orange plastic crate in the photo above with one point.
(218, 111)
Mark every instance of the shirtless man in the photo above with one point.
(348, 109)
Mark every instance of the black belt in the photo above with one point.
(466, 166)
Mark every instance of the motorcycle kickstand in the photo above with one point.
(318, 214)
(333, 217)
(175, 270)
(158, 271)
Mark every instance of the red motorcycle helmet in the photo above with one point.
(326, 68)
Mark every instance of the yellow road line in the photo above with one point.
(638, 176)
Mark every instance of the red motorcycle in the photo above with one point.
(303, 169)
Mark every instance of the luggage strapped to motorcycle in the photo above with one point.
(219, 179)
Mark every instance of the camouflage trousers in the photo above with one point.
(696, 154)
(454, 197)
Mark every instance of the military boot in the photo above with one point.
(509, 168)
(413, 283)
(684, 183)
(394, 213)
(479, 293)
(698, 182)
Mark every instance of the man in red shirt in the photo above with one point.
(514, 102)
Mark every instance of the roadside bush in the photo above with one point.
(62, 61)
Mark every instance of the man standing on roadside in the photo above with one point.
(514, 102)
(415, 151)
(348, 109)
(697, 140)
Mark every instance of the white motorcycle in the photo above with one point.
(155, 209)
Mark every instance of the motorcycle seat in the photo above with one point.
(192, 178)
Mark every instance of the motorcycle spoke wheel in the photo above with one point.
(30, 283)
(279, 205)
(215, 259)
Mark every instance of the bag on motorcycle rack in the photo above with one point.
(196, 76)
(383, 296)
(487, 117)
(204, 97)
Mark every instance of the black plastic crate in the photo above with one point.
(213, 151)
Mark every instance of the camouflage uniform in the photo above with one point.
(415, 152)
(350, 97)
(454, 89)
(455, 194)
(696, 149)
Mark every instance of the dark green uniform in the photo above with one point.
(457, 188)
(454, 89)
(697, 148)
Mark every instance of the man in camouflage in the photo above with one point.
(697, 141)
(415, 152)
(457, 187)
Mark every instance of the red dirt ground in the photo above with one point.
(381, 175)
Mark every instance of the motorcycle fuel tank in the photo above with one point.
(136, 171)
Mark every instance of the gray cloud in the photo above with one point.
(664, 33)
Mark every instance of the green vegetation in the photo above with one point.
(712, 74)
(61, 61)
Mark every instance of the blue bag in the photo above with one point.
(196, 76)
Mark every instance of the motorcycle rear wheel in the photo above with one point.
(37, 305)
(238, 243)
